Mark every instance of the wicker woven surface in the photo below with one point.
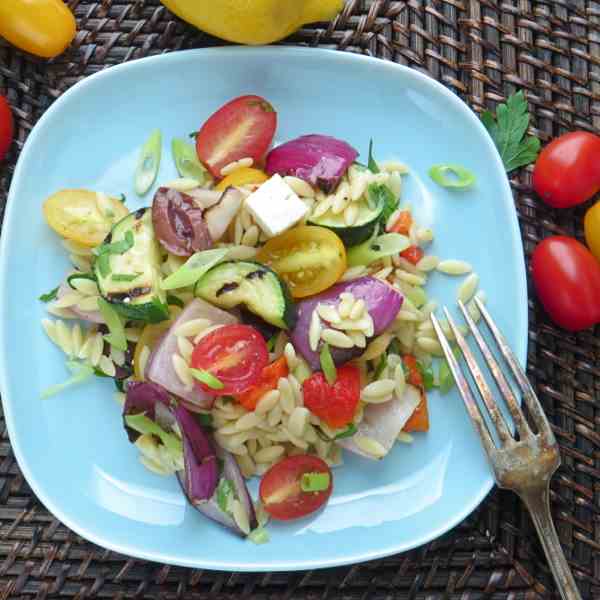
(483, 50)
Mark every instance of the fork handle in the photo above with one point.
(537, 502)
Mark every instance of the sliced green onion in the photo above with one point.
(445, 377)
(388, 244)
(315, 482)
(461, 178)
(428, 377)
(173, 300)
(207, 379)
(224, 493)
(193, 268)
(142, 424)
(124, 277)
(148, 163)
(327, 365)
(186, 161)
(416, 295)
(272, 341)
(89, 276)
(103, 264)
(349, 432)
(51, 295)
(380, 367)
(302, 372)
(116, 336)
(373, 166)
(79, 373)
(259, 536)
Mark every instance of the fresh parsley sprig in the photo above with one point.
(508, 129)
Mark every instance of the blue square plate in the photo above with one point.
(72, 448)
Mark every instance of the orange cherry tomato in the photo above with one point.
(310, 259)
(42, 27)
(268, 381)
(413, 254)
(243, 176)
(591, 224)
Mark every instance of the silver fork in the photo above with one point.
(524, 466)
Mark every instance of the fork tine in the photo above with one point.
(465, 391)
(505, 389)
(484, 390)
(529, 396)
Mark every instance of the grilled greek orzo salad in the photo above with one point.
(267, 312)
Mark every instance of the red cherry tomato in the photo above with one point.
(281, 492)
(243, 128)
(567, 171)
(413, 254)
(567, 280)
(335, 404)
(6, 127)
(235, 355)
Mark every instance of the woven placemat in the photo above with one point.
(482, 50)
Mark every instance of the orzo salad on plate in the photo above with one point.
(267, 312)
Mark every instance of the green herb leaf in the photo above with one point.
(207, 379)
(186, 161)
(116, 337)
(148, 163)
(315, 482)
(193, 268)
(79, 373)
(445, 377)
(224, 493)
(142, 424)
(103, 264)
(327, 365)
(462, 180)
(205, 419)
(122, 198)
(124, 277)
(119, 247)
(394, 347)
(380, 193)
(272, 341)
(349, 432)
(372, 164)
(51, 295)
(173, 300)
(508, 131)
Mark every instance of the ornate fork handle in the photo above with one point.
(537, 501)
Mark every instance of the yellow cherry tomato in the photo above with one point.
(591, 224)
(243, 176)
(149, 337)
(42, 27)
(310, 259)
(82, 216)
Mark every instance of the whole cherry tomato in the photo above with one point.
(567, 280)
(6, 127)
(567, 171)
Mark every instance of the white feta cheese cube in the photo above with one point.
(275, 206)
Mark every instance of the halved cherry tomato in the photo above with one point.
(310, 259)
(235, 354)
(414, 374)
(243, 128)
(567, 171)
(83, 216)
(335, 404)
(243, 176)
(268, 381)
(591, 224)
(403, 223)
(567, 280)
(413, 254)
(281, 492)
(419, 420)
(6, 127)
(42, 27)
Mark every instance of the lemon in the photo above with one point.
(253, 22)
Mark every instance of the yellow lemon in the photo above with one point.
(253, 22)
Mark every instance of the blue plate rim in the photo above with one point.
(81, 529)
